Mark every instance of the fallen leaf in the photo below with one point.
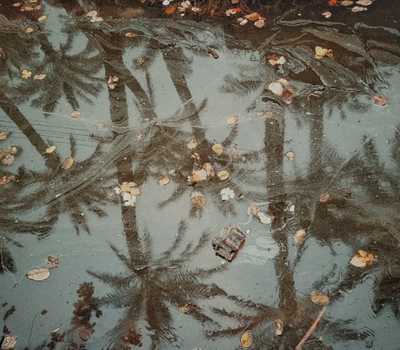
(209, 169)
(198, 200)
(300, 236)
(29, 30)
(276, 88)
(235, 2)
(9, 342)
(274, 59)
(253, 17)
(8, 159)
(290, 155)
(5, 180)
(260, 23)
(243, 21)
(218, 149)
(227, 194)
(324, 197)
(327, 14)
(223, 175)
(131, 35)
(26, 74)
(4, 135)
(232, 119)
(362, 259)
(347, 3)
(253, 209)
(264, 218)
(130, 187)
(50, 150)
(358, 9)
(380, 100)
(163, 180)
(39, 76)
(42, 18)
(319, 298)
(187, 308)
(246, 340)
(198, 176)
(170, 10)
(68, 163)
(53, 262)
(321, 52)
(75, 114)
(332, 2)
(39, 274)
(192, 144)
(213, 53)
(278, 327)
(112, 82)
(92, 13)
(364, 2)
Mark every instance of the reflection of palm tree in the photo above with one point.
(68, 74)
(152, 285)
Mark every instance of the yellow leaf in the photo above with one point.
(218, 149)
(246, 340)
(26, 74)
(223, 175)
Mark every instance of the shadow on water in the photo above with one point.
(129, 143)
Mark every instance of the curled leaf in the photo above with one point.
(39, 274)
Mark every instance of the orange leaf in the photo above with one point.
(332, 2)
(170, 10)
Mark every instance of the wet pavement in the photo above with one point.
(129, 143)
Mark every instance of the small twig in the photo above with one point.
(311, 329)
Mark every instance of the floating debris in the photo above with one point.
(228, 244)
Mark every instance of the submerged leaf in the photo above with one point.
(198, 200)
(9, 342)
(68, 163)
(362, 259)
(319, 298)
(246, 340)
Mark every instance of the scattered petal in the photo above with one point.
(164, 180)
(319, 298)
(227, 194)
(68, 163)
(39, 274)
(218, 149)
(26, 74)
(246, 340)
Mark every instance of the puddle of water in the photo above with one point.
(112, 199)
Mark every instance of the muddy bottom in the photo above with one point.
(141, 152)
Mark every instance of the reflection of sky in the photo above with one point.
(252, 273)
